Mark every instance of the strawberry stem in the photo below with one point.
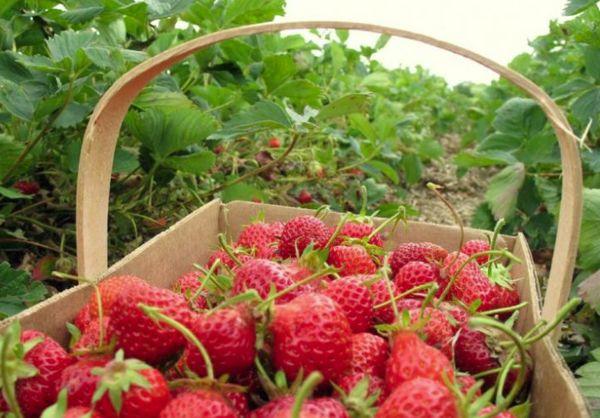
(384, 271)
(436, 190)
(210, 276)
(305, 391)
(493, 371)
(363, 200)
(227, 249)
(207, 277)
(493, 241)
(337, 230)
(428, 298)
(400, 215)
(560, 316)
(504, 310)
(156, 315)
(322, 211)
(424, 286)
(516, 338)
(8, 387)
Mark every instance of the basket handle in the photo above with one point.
(99, 142)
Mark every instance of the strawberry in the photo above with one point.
(358, 230)
(27, 187)
(229, 337)
(437, 330)
(239, 402)
(299, 271)
(226, 260)
(260, 237)
(109, 290)
(299, 233)
(90, 338)
(412, 358)
(81, 412)
(137, 334)
(200, 403)
(503, 414)
(380, 292)
(348, 382)
(466, 382)
(311, 408)
(304, 197)
(475, 246)
(261, 275)
(505, 298)
(188, 285)
(351, 260)
(471, 284)
(457, 316)
(274, 142)
(473, 355)
(47, 359)
(369, 354)
(419, 397)
(79, 381)
(415, 273)
(83, 319)
(142, 391)
(354, 298)
(311, 333)
(416, 251)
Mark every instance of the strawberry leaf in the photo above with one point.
(18, 291)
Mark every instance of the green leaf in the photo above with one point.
(468, 159)
(13, 70)
(346, 105)
(66, 44)
(412, 168)
(378, 81)
(301, 92)
(18, 291)
(587, 107)
(362, 124)
(503, 190)
(342, 34)
(589, 291)
(197, 163)
(519, 117)
(165, 133)
(82, 14)
(549, 191)
(260, 117)
(574, 7)
(10, 151)
(389, 171)
(382, 41)
(153, 97)
(277, 69)
(592, 61)
(499, 141)
(17, 100)
(430, 149)
(338, 57)
(124, 161)
(239, 12)
(73, 114)
(104, 57)
(589, 244)
(159, 9)
(12, 193)
(242, 191)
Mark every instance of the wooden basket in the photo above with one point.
(163, 258)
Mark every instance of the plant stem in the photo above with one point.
(8, 389)
(304, 392)
(560, 316)
(503, 310)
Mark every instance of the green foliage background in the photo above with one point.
(201, 130)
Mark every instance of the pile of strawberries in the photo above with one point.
(293, 319)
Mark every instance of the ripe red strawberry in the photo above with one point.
(354, 298)
(311, 333)
(260, 237)
(36, 393)
(226, 260)
(471, 284)
(90, 338)
(201, 403)
(298, 271)
(381, 294)
(369, 354)
(188, 285)
(350, 260)
(420, 397)
(261, 275)
(299, 233)
(466, 382)
(437, 330)
(415, 273)
(274, 142)
(304, 197)
(358, 230)
(229, 338)
(475, 246)
(412, 358)
(503, 414)
(81, 412)
(457, 316)
(137, 401)
(27, 187)
(416, 251)
(506, 297)
(82, 319)
(110, 289)
(79, 381)
(473, 355)
(311, 408)
(349, 382)
(137, 334)
(239, 402)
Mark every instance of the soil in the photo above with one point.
(465, 193)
